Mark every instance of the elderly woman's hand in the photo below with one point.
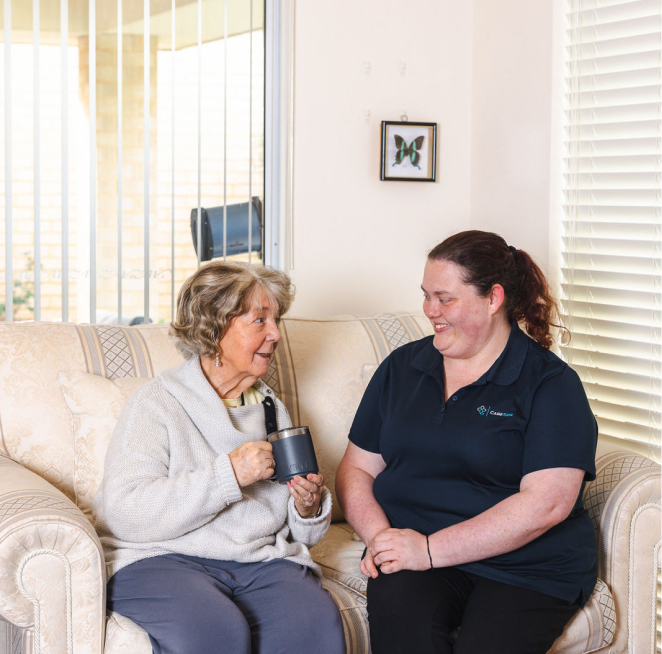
(252, 461)
(307, 494)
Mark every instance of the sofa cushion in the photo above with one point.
(35, 426)
(94, 404)
(592, 628)
(339, 555)
(123, 636)
(33, 418)
(354, 615)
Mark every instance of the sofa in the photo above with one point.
(62, 388)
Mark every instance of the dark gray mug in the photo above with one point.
(293, 453)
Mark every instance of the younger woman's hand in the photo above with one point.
(368, 567)
(307, 494)
(399, 549)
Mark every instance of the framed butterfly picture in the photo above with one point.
(409, 152)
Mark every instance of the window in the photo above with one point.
(112, 138)
(612, 227)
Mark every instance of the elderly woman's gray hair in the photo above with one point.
(216, 294)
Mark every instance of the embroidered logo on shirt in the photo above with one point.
(488, 412)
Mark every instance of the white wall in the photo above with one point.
(482, 70)
(511, 129)
(359, 243)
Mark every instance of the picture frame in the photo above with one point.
(409, 152)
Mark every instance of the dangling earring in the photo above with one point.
(217, 361)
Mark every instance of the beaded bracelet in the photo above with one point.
(427, 540)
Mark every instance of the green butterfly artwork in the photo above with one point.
(408, 151)
(412, 151)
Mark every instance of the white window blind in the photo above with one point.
(122, 120)
(612, 239)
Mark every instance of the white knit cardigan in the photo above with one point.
(169, 486)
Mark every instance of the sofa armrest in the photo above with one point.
(52, 576)
(624, 504)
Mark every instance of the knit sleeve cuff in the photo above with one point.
(227, 480)
(310, 530)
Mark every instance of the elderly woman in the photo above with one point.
(204, 552)
(466, 464)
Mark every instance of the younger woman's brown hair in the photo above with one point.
(486, 260)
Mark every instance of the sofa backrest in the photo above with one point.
(320, 370)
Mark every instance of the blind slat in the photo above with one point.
(625, 431)
(618, 346)
(611, 229)
(606, 213)
(618, 63)
(612, 328)
(592, 12)
(584, 5)
(645, 249)
(92, 72)
(627, 28)
(146, 161)
(596, 295)
(613, 47)
(588, 82)
(642, 317)
(614, 97)
(612, 131)
(613, 379)
(619, 396)
(64, 122)
(623, 413)
(612, 362)
(616, 280)
(612, 114)
(37, 158)
(615, 198)
(608, 263)
(608, 181)
(633, 163)
(617, 147)
(9, 242)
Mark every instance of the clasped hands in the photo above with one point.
(253, 461)
(392, 550)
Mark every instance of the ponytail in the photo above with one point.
(486, 260)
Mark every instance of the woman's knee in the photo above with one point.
(408, 613)
(325, 624)
(313, 621)
(394, 595)
(204, 636)
(181, 609)
(195, 627)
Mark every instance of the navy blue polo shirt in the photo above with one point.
(448, 461)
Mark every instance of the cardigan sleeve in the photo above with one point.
(310, 531)
(141, 501)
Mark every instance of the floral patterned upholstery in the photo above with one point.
(63, 387)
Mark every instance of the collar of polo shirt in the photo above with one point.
(504, 371)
